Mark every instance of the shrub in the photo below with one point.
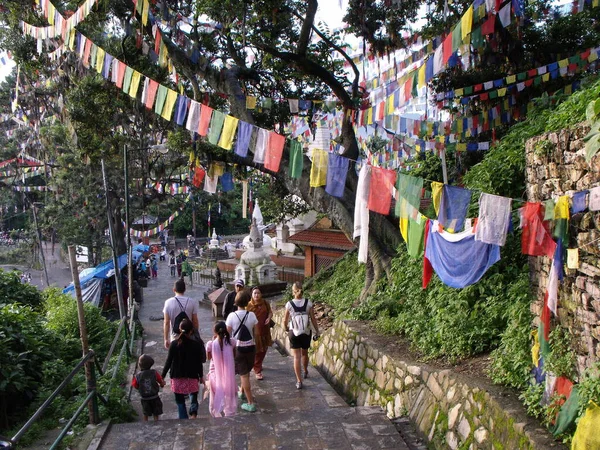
(13, 291)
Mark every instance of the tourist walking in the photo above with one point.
(175, 310)
(184, 365)
(228, 304)
(172, 263)
(221, 375)
(298, 312)
(262, 335)
(148, 382)
(154, 263)
(241, 325)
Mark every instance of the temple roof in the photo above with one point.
(322, 238)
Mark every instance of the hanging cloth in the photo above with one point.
(416, 233)
(227, 182)
(535, 239)
(127, 78)
(100, 56)
(561, 218)
(120, 74)
(494, 219)
(204, 121)
(151, 95)
(361, 212)
(408, 192)
(181, 109)
(296, 159)
(161, 97)
(594, 200)
(453, 207)
(436, 194)
(260, 147)
(457, 258)
(210, 183)
(244, 135)
(555, 275)
(579, 203)
(587, 436)
(193, 116)
(244, 198)
(573, 258)
(549, 209)
(427, 268)
(135, 84)
(199, 174)
(380, 191)
(170, 100)
(216, 125)
(337, 169)
(229, 128)
(318, 169)
(568, 413)
(274, 152)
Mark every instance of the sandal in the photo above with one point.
(259, 376)
(299, 385)
(306, 373)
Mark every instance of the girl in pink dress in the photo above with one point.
(221, 375)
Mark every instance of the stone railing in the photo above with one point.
(450, 410)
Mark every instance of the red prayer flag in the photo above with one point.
(274, 151)
(427, 267)
(380, 191)
(447, 49)
(151, 94)
(199, 174)
(204, 122)
(478, 87)
(535, 239)
(488, 26)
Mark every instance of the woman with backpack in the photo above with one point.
(298, 312)
(262, 337)
(241, 327)
(184, 365)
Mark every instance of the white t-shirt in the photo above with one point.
(233, 321)
(173, 309)
(299, 302)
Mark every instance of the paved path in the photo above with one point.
(315, 417)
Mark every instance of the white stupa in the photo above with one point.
(267, 242)
(255, 265)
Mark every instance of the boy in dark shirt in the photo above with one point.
(148, 382)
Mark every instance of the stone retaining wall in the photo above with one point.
(556, 166)
(450, 411)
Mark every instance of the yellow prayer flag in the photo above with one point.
(100, 60)
(459, 92)
(318, 170)
(436, 194)
(145, 9)
(545, 77)
(561, 208)
(593, 56)
(511, 79)
(563, 62)
(421, 77)
(461, 147)
(250, 102)
(228, 132)
(72, 39)
(370, 116)
(135, 83)
(586, 436)
(594, 3)
(404, 228)
(466, 22)
(51, 11)
(573, 258)
(568, 89)
(501, 92)
(390, 104)
(167, 111)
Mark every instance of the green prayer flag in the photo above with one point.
(468, 90)
(456, 37)
(522, 76)
(416, 233)
(561, 229)
(567, 414)
(549, 209)
(409, 189)
(216, 125)
(127, 79)
(296, 159)
(477, 38)
(161, 96)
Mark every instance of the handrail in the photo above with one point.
(113, 345)
(11, 443)
(70, 423)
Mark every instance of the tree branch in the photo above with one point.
(307, 26)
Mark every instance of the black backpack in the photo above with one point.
(147, 384)
(242, 333)
(182, 315)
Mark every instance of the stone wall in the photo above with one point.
(450, 411)
(556, 166)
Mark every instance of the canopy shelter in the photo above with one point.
(145, 219)
(92, 279)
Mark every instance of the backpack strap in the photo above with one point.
(181, 306)
(299, 309)
(241, 323)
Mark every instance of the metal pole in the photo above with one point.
(39, 236)
(113, 245)
(127, 225)
(89, 365)
(444, 170)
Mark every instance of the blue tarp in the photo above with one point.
(103, 269)
(141, 248)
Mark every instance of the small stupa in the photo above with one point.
(255, 265)
(214, 242)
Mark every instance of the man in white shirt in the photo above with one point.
(173, 307)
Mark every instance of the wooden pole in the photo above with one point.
(39, 237)
(89, 365)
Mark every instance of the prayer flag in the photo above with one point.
(204, 122)
(260, 147)
(229, 128)
(380, 190)
(453, 207)
(244, 135)
(274, 151)
(170, 100)
(535, 239)
(296, 159)
(361, 212)
(151, 94)
(337, 169)
(216, 125)
(161, 97)
(135, 84)
(318, 170)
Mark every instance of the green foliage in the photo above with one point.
(339, 285)
(61, 315)
(561, 359)
(532, 399)
(589, 387)
(13, 291)
(511, 361)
